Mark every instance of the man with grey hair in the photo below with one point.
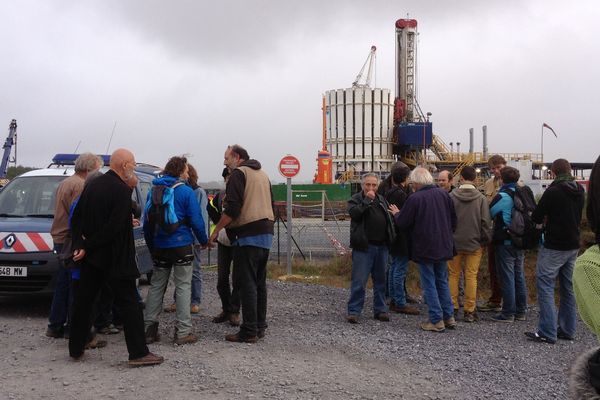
(429, 218)
(371, 232)
(66, 193)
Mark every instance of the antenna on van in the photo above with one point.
(111, 137)
(77, 148)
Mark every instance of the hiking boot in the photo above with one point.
(234, 319)
(53, 333)
(562, 335)
(152, 333)
(450, 323)
(109, 329)
(353, 319)
(222, 317)
(188, 339)
(410, 299)
(95, 344)
(437, 327)
(195, 309)
(503, 318)
(520, 317)
(405, 309)
(241, 338)
(536, 337)
(382, 316)
(470, 317)
(147, 360)
(170, 308)
(490, 307)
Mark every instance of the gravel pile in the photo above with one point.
(309, 352)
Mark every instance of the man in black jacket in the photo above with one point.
(371, 232)
(102, 229)
(395, 193)
(560, 210)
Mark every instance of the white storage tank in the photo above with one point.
(359, 128)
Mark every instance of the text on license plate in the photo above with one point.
(13, 271)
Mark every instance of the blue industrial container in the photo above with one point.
(410, 134)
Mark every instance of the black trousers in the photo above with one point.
(250, 278)
(230, 297)
(124, 291)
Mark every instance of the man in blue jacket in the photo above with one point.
(173, 251)
(429, 218)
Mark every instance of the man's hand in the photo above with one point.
(371, 194)
(78, 254)
(136, 222)
(393, 209)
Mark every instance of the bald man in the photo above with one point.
(104, 247)
(444, 180)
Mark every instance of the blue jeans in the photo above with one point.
(509, 266)
(372, 261)
(396, 277)
(59, 320)
(550, 264)
(434, 283)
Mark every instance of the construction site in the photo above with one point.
(367, 129)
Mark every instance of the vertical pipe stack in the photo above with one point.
(471, 140)
(485, 148)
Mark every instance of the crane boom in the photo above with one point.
(11, 141)
(370, 61)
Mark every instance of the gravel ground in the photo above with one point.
(309, 352)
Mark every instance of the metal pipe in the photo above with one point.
(485, 148)
(471, 140)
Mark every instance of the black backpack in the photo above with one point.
(522, 231)
(157, 210)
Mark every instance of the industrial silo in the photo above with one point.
(358, 124)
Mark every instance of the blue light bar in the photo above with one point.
(69, 159)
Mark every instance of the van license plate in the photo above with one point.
(13, 271)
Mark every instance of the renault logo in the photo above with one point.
(10, 240)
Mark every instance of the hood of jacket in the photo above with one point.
(572, 188)
(166, 180)
(254, 164)
(466, 193)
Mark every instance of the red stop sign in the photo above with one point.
(289, 166)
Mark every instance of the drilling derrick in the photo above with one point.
(412, 131)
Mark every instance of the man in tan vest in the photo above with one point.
(248, 217)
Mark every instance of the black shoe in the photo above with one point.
(383, 317)
(222, 317)
(536, 337)
(54, 333)
(563, 336)
(152, 333)
(261, 333)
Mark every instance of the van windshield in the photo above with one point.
(32, 196)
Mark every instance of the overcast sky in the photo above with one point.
(191, 77)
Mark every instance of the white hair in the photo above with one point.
(421, 176)
(368, 175)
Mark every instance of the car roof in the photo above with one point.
(68, 171)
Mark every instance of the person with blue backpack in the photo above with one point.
(509, 258)
(197, 274)
(172, 219)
